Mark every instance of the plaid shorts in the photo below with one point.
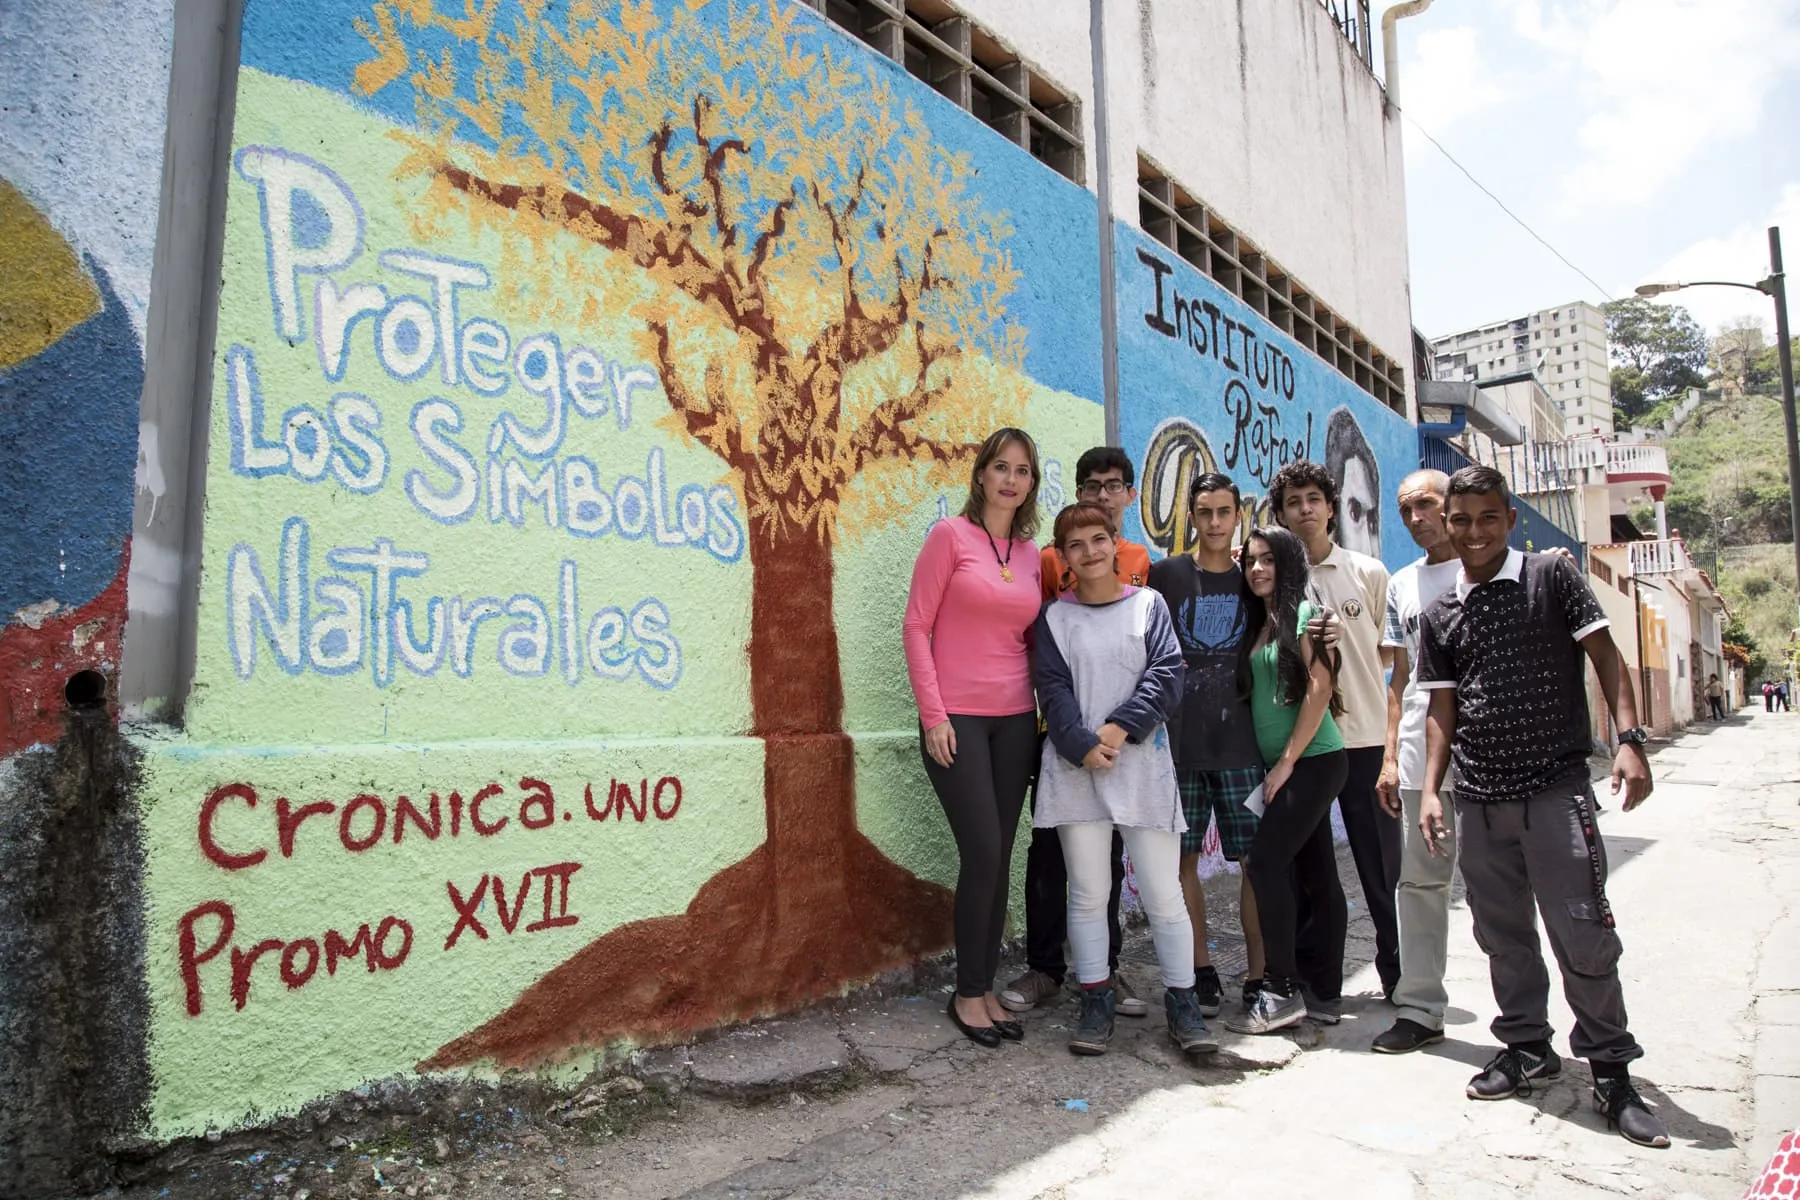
(1219, 796)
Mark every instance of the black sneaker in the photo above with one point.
(1511, 1072)
(1209, 989)
(1094, 1028)
(1187, 1026)
(1325, 1012)
(1626, 1111)
(1404, 1036)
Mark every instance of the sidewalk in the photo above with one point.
(876, 1097)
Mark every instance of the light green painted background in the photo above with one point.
(310, 736)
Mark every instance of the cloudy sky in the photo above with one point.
(1644, 139)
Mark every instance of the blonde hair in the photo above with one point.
(1025, 520)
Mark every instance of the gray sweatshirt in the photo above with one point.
(1095, 663)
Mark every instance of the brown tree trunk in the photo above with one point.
(813, 908)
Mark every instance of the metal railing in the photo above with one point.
(1352, 19)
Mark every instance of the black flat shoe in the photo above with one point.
(1012, 1031)
(981, 1035)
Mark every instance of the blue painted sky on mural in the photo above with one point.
(1054, 221)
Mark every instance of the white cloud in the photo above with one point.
(1659, 82)
(1445, 80)
(1741, 256)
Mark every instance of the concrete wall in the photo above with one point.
(83, 89)
(1265, 113)
(563, 472)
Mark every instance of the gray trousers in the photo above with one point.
(1423, 902)
(1546, 854)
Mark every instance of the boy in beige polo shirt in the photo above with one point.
(1305, 501)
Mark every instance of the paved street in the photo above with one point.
(880, 1097)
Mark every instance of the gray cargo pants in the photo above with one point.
(1546, 853)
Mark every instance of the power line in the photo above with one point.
(1501, 204)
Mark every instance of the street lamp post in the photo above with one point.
(1775, 286)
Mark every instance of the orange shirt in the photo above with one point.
(1056, 578)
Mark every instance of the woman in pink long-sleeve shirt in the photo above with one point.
(975, 595)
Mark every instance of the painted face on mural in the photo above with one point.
(1109, 489)
(1306, 512)
(1259, 568)
(1007, 480)
(1357, 530)
(1215, 517)
(1479, 526)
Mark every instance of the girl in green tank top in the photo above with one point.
(1291, 682)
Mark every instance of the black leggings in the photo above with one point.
(1292, 857)
(983, 791)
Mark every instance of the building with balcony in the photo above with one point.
(1564, 346)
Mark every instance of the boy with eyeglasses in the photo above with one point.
(1104, 475)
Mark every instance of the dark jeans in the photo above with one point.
(1047, 902)
(982, 791)
(1544, 858)
(1293, 865)
(1376, 845)
(1718, 707)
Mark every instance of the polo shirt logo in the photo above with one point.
(1353, 609)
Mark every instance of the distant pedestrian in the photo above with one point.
(1108, 670)
(1292, 684)
(1715, 698)
(974, 597)
(1502, 654)
(1768, 696)
(1781, 695)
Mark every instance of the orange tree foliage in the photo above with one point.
(813, 275)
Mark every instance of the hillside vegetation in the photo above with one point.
(1728, 496)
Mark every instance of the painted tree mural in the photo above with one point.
(823, 297)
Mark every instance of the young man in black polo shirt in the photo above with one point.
(1502, 655)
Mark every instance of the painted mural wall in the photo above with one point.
(587, 378)
(80, 170)
(1208, 384)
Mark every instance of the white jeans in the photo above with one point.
(1156, 857)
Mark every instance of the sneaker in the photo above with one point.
(1127, 1002)
(1404, 1036)
(1187, 1026)
(1251, 987)
(1094, 1028)
(1028, 991)
(1325, 1012)
(1270, 1011)
(1210, 990)
(1626, 1111)
(1511, 1072)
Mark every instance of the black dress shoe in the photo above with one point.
(981, 1035)
(1012, 1031)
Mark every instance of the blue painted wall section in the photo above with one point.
(1206, 383)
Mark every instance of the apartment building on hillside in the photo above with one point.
(1564, 346)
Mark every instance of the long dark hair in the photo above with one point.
(1292, 573)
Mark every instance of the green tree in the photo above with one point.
(1657, 351)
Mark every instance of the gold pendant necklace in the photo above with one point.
(1006, 575)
